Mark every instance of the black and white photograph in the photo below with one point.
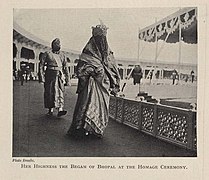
(104, 90)
(105, 82)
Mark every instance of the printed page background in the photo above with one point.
(197, 167)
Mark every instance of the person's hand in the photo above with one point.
(114, 91)
(41, 82)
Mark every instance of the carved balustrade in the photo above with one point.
(171, 124)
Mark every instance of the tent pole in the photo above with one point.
(138, 45)
(179, 60)
(156, 49)
(138, 52)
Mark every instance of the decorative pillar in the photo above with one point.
(125, 72)
(18, 56)
(72, 68)
(36, 60)
(143, 73)
(160, 73)
(73, 64)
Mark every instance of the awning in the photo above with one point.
(167, 29)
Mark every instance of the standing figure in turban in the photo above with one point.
(54, 76)
(137, 74)
(98, 77)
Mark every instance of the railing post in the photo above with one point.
(122, 118)
(140, 116)
(194, 134)
(119, 104)
(113, 110)
(194, 117)
(190, 135)
(155, 121)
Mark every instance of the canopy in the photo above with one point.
(168, 28)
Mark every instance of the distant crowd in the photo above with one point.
(137, 75)
(26, 74)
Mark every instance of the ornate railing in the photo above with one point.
(172, 124)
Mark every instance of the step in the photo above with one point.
(142, 94)
(152, 100)
(147, 97)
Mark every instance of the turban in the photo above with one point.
(56, 44)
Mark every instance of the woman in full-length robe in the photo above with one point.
(98, 77)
